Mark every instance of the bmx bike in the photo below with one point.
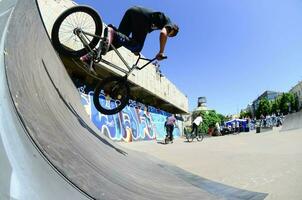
(191, 136)
(77, 32)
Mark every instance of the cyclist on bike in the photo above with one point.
(195, 124)
(134, 27)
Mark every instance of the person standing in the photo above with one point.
(217, 129)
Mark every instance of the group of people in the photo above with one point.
(271, 120)
(171, 122)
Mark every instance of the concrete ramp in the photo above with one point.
(49, 148)
(292, 122)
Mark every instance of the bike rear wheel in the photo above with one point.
(111, 95)
(64, 37)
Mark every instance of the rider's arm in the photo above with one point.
(162, 42)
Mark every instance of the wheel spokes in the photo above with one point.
(80, 20)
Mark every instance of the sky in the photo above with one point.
(229, 51)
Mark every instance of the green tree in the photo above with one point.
(275, 108)
(244, 114)
(287, 103)
(264, 107)
(222, 118)
(209, 119)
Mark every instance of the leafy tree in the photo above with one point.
(209, 119)
(264, 107)
(244, 114)
(287, 103)
(222, 118)
(275, 105)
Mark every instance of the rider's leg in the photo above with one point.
(133, 23)
(126, 22)
(194, 128)
(171, 127)
(134, 44)
(109, 34)
(167, 131)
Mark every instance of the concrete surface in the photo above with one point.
(292, 121)
(269, 162)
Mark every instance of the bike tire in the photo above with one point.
(200, 137)
(187, 137)
(115, 88)
(66, 16)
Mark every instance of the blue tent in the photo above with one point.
(243, 123)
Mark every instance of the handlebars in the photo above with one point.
(146, 59)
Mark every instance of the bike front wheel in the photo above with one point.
(111, 95)
(189, 137)
(64, 32)
(200, 137)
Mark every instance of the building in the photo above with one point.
(297, 90)
(269, 95)
(248, 109)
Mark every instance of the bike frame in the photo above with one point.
(82, 36)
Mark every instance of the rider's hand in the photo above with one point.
(160, 56)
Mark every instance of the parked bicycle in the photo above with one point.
(78, 31)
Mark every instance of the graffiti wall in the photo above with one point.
(135, 122)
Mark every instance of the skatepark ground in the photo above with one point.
(268, 162)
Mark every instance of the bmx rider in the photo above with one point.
(195, 124)
(135, 26)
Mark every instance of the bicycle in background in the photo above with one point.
(191, 136)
